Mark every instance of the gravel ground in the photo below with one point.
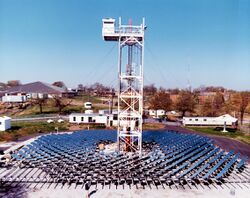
(140, 193)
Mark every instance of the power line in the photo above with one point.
(157, 66)
(100, 64)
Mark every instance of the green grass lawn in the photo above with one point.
(49, 109)
(34, 110)
(87, 98)
(237, 135)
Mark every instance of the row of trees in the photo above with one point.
(159, 98)
(95, 89)
(184, 103)
(152, 89)
(238, 102)
(188, 102)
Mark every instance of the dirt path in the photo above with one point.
(223, 142)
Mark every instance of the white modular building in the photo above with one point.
(14, 98)
(89, 111)
(104, 111)
(157, 113)
(97, 118)
(210, 121)
(112, 119)
(88, 118)
(5, 123)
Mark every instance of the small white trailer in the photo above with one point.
(5, 123)
(14, 98)
(210, 121)
(88, 105)
(157, 113)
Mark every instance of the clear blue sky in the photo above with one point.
(206, 42)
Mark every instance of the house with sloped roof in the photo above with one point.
(33, 90)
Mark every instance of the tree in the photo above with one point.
(241, 100)
(60, 103)
(161, 100)
(185, 102)
(218, 102)
(173, 91)
(99, 88)
(40, 102)
(203, 88)
(13, 83)
(150, 89)
(80, 87)
(213, 106)
(214, 89)
(59, 84)
(162, 89)
(3, 86)
(207, 108)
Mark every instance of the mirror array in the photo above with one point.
(168, 158)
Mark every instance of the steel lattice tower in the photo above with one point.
(130, 40)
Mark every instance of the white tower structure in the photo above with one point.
(130, 40)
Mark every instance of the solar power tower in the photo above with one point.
(130, 40)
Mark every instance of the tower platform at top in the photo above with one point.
(111, 32)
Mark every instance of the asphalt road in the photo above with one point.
(223, 142)
(39, 118)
